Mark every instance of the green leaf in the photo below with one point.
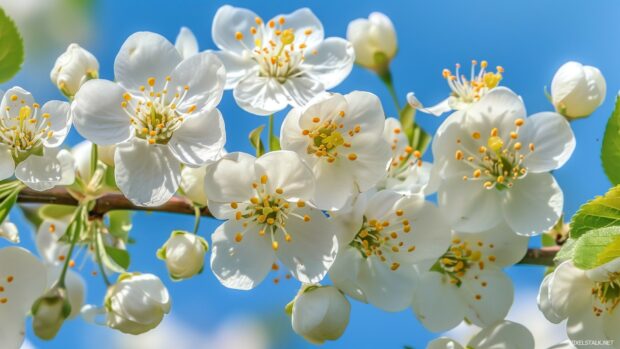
(120, 257)
(566, 252)
(274, 143)
(611, 252)
(56, 212)
(120, 224)
(255, 140)
(610, 151)
(592, 244)
(547, 240)
(7, 202)
(602, 211)
(11, 48)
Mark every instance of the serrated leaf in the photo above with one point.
(591, 245)
(11, 48)
(611, 252)
(256, 141)
(566, 252)
(119, 224)
(120, 257)
(610, 151)
(602, 211)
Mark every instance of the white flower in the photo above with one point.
(9, 231)
(280, 62)
(264, 201)
(577, 90)
(22, 281)
(320, 313)
(494, 165)
(502, 335)
(467, 282)
(160, 111)
(463, 92)
(371, 37)
(136, 304)
(341, 140)
(186, 43)
(28, 135)
(73, 68)
(184, 254)
(589, 299)
(82, 153)
(193, 182)
(388, 234)
(407, 174)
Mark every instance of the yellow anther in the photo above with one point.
(238, 237)
(316, 119)
(126, 96)
(151, 141)
(514, 135)
(484, 64)
(151, 81)
(517, 146)
(274, 245)
(519, 122)
(238, 215)
(531, 146)
(280, 191)
(287, 238)
(272, 23)
(458, 155)
(301, 204)
(352, 156)
(399, 212)
(253, 31)
(475, 255)
(270, 221)
(446, 73)
(258, 20)
(500, 69)
(417, 154)
(261, 232)
(492, 258)
(494, 132)
(394, 266)
(500, 179)
(495, 143)
(13, 98)
(397, 130)
(488, 184)
(475, 135)
(308, 31)
(263, 179)
(407, 228)
(191, 109)
(254, 200)
(306, 218)
(239, 36)
(411, 248)
(153, 133)
(477, 173)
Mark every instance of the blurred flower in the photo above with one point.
(340, 137)
(463, 92)
(587, 298)
(503, 334)
(184, 254)
(374, 41)
(495, 165)
(577, 90)
(9, 231)
(186, 43)
(28, 137)
(320, 313)
(264, 203)
(193, 182)
(280, 62)
(22, 281)
(467, 282)
(49, 312)
(387, 235)
(153, 80)
(73, 68)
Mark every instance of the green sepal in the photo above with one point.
(256, 141)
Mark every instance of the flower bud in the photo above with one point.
(73, 68)
(374, 41)
(136, 303)
(184, 254)
(49, 312)
(320, 313)
(193, 184)
(577, 90)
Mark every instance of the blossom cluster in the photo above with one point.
(344, 193)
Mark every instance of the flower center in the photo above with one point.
(9, 280)
(606, 295)
(327, 137)
(469, 91)
(383, 239)
(26, 130)
(278, 53)
(270, 211)
(154, 114)
(460, 258)
(498, 161)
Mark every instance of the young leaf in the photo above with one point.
(120, 257)
(602, 211)
(610, 151)
(592, 244)
(255, 140)
(611, 252)
(566, 252)
(7, 202)
(11, 48)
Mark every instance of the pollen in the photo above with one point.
(352, 156)
(519, 122)
(238, 237)
(263, 179)
(275, 245)
(151, 81)
(306, 218)
(239, 36)
(280, 191)
(475, 135)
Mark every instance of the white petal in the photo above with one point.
(499, 108)
(285, 170)
(186, 43)
(48, 246)
(9, 231)
(312, 248)
(585, 326)
(436, 110)
(544, 303)
(501, 242)
(7, 164)
(505, 334)
(302, 89)
(193, 184)
(300, 21)
(335, 185)
(610, 326)
(98, 115)
(200, 139)
(444, 343)
(67, 167)
(60, 122)
(489, 294)
(260, 95)
(147, 174)
(437, 302)
(40, 172)
(240, 265)
(468, 206)
(604, 272)
(332, 62)
(384, 288)
(229, 180)
(237, 67)
(365, 110)
(553, 140)
(370, 166)
(570, 290)
(145, 55)
(534, 204)
(15, 105)
(344, 273)
(204, 76)
(227, 22)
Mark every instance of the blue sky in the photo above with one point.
(529, 38)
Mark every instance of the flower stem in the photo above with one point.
(197, 215)
(274, 142)
(386, 76)
(74, 231)
(104, 276)
(94, 157)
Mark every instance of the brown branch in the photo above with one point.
(105, 203)
(111, 202)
